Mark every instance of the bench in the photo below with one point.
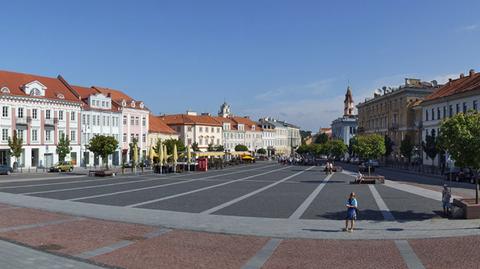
(369, 180)
(101, 173)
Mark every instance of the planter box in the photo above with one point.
(370, 180)
(470, 209)
(104, 173)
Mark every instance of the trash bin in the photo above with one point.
(203, 164)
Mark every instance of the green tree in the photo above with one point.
(211, 147)
(102, 146)
(170, 144)
(219, 148)
(388, 146)
(262, 151)
(63, 147)
(336, 149)
(460, 137)
(305, 135)
(430, 147)
(132, 145)
(195, 147)
(321, 138)
(406, 147)
(351, 145)
(302, 149)
(15, 145)
(157, 148)
(240, 147)
(369, 146)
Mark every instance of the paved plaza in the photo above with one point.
(262, 215)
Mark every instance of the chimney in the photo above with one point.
(462, 75)
(434, 83)
(471, 72)
(450, 80)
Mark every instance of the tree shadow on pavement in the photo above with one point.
(376, 215)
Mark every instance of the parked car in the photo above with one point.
(62, 167)
(5, 169)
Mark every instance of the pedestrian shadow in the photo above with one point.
(376, 215)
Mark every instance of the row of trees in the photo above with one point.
(333, 149)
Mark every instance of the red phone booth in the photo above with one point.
(202, 164)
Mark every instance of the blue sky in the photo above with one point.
(288, 59)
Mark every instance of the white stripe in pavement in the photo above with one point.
(257, 261)
(409, 257)
(435, 195)
(303, 207)
(203, 189)
(37, 179)
(161, 186)
(90, 187)
(56, 183)
(387, 215)
(214, 209)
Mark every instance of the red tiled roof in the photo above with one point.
(184, 119)
(233, 125)
(157, 125)
(15, 81)
(85, 92)
(119, 96)
(248, 123)
(465, 84)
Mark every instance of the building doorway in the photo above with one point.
(34, 159)
(48, 157)
(5, 157)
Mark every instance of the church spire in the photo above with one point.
(348, 103)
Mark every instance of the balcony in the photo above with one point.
(23, 120)
(51, 122)
(393, 127)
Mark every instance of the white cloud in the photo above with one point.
(470, 28)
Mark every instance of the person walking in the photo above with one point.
(352, 207)
(446, 196)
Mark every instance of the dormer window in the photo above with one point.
(142, 105)
(34, 88)
(124, 103)
(5, 90)
(60, 96)
(132, 104)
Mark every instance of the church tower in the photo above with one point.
(348, 109)
(224, 110)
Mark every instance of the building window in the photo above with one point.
(61, 134)
(444, 112)
(20, 135)
(104, 120)
(144, 138)
(433, 114)
(475, 107)
(438, 113)
(5, 111)
(47, 114)
(189, 128)
(213, 130)
(72, 116)
(60, 115)
(48, 135)
(20, 112)
(450, 110)
(94, 120)
(464, 107)
(34, 135)
(144, 121)
(426, 115)
(88, 120)
(125, 120)
(98, 120)
(200, 129)
(108, 121)
(458, 108)
(206, 129)
(4, 134)
(73, 136)
(137, 121)
(34, 113)
(124, 138)
(132, 120)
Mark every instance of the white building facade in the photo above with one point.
(40, 110)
